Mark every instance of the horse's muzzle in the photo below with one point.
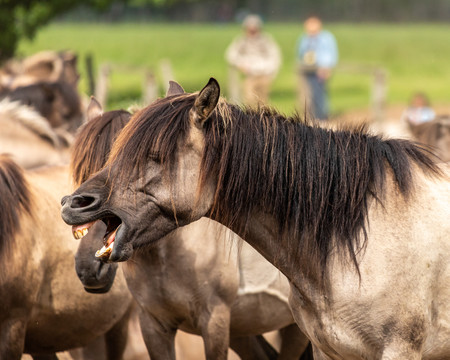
(77, 209)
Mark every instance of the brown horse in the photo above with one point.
(436, 134)
(206, 292)
(57, 102)
(46, 81)
(29, 138)
(44, 307)
(358, 224)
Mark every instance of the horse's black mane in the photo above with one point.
(317, 183)
(93, 142)
(15, 197)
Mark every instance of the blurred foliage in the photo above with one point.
(21, 19)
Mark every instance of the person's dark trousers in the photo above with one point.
(319, 96)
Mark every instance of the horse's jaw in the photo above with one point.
(109, 252)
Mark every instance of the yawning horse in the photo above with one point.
(194, 279)
(359, 225)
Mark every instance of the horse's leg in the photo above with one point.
(215, 331)
(293, 343)
(45, 357)
(253, 348)
(12, 338)
(159, 338)
(95, 350)
(308, 353)
(116, 338)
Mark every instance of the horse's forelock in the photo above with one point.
(153, 132)
(93, 144)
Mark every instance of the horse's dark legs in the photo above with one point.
(116, 338)
(12, 338)
(293, 343)
(253, 348)
(215, 331)
(159, 339)
(308, 354)
(45, 357)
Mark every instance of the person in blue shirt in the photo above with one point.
(317, 54)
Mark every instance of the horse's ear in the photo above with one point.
(174, 89)
(206, 102)
(94, 109)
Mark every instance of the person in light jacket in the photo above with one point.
(257, 57)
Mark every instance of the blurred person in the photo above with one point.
(419, 110)
(257, 57)
(317, 54)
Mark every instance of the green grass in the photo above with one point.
(416, 56)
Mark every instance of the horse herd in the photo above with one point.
(345, 234)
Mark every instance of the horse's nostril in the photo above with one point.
(79, 201)
(64, 200)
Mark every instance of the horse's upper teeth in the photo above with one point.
(79, 234)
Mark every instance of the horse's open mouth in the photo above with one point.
(112, 225)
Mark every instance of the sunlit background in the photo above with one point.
(407, 41)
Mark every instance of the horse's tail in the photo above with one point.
(15, 197)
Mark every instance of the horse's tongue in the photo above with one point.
(111, 237)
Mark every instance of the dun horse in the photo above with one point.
(29, 137)
(194, 279)
(358, 224)
(44, 307)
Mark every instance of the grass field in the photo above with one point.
(416, 57)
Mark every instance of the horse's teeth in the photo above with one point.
(104, 252)
(79, 234)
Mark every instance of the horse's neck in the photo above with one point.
(261, 234)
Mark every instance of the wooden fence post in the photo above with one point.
(90, 73)
(166, 72)
(379, 90)
(101, 91)
(150, 92)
